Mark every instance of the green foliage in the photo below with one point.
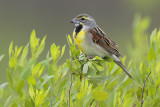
(95, 82)
(140, 42)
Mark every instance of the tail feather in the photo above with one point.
(124, 69)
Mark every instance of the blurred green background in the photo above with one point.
(18, 18)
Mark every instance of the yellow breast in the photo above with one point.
(79, 38)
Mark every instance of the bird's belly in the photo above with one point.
(92, 49)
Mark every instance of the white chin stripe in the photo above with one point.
(77, 24)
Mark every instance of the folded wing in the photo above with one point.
(101, 39)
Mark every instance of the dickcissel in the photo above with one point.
(92, 41)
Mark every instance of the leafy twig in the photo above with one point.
(92, 102)
(143, 88)
(50, 99)
(122, 103)
(70, 87)
(71, 80)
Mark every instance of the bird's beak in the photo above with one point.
(71, 21)
(75, 21)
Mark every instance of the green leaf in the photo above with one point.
(157, 68)
(7, 102)
(62, 97)
(46, 78)
(41, 47)
(55, 52)
(98, 66)
(20, 85)
(31, 80)
(126, 81)
(112, 84)
(91, 70)
(102, 104)
(144, 23)
(34, 42)
(40, 97)
(13, 62)
(24, 53)
(100, 95)
(158, 36)
(37, 70)
(63, 84)
(62, 52)
(10, 49)
(158, 82)
(85, 89)
(113, 68)
(110, 100)
(97, 58)
(85, 68)
(26, 71)
(81, 57)
(151, 55)
(153, 36)
(18, 51)
(98, 79)
(151, 90)
(1, 57)
(69, 40)
(14, 105)
(1, 93)
(3, 85)
(48, 59)
(15, 50)
(156, 102)
(31, 92)
(41, 71)
(28, 103)
(10, 81)
(129, 102)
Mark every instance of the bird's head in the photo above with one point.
(84, 20)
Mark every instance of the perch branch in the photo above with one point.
(70, 87)
(71, 81)
(91, 103)
(143, 88)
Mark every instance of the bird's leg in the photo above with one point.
(90, 57)
(87, 57)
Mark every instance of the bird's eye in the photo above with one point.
(82, 18)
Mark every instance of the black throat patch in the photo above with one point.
(78, 29)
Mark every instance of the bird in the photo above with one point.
(93, 41)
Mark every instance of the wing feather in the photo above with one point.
(100, 38)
